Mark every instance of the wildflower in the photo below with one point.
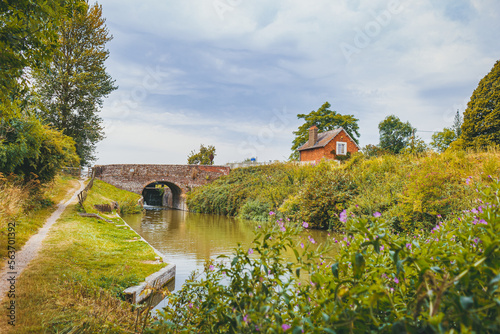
(396, 280)
(271, 213)
(190, 305)
(343, 216)
(382, 247)
(283, 229)
(211, 267)
(301, 245)
(482, 221)
(305, 225)
(468, 180)
(259, 226)
(285, 327)
(408, 245)
(377, 214)
(311, 239)
(250, 251)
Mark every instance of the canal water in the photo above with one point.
(189, 239)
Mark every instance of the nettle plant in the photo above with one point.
(443, 281)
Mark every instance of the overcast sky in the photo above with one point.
(235, 73)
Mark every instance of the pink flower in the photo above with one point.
(396, 280)
(283, 229)
(211, 267)
(305, 225)
(245, 318)
(250, 251)
(377, 214)
(285, 327)
(343, 216)
(271, 213)
(301, 245)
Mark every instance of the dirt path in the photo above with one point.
(8, 276)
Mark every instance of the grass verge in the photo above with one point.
(31, 213)
(75, 283)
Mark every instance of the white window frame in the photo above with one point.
(339, 144)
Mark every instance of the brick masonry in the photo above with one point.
(319, 153)
(180, 178)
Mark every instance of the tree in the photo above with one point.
(33, 150)
(443, 139)
(325, 120)
(457, 124)
(205, 156)
(394, 134)
(27, 39)
(72, 88)
(481, 125)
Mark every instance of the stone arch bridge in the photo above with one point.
(160, 184)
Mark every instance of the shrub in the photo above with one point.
(445, 280)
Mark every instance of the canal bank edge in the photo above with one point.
(135, 294)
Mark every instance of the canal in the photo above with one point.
(189, 239)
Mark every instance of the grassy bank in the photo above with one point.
(75, 284)
(29, 207)
(410, 191)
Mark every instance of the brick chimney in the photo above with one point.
(313, 135)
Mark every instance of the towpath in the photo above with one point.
(9, 276)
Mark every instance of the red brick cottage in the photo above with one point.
(327, 145)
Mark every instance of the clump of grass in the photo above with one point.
(104, 193)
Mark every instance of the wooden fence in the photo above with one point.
(82, 196)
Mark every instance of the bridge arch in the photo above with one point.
(163, 193)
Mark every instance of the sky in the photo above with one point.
(235, 73)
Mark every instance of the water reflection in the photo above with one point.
(189, 239)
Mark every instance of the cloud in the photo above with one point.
(216, 72)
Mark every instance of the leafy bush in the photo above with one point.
(445, 280)
(255, 210)
(410, 190)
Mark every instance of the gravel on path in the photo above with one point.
(8, 275)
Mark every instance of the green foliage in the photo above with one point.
(435, 189)
(205, 156)
(442, 140)
(394, 134)
(32, 150)
(72, 87)
(27, 39)
(325, 193)
(481, 125)
(443, 281)
(372, 151)
(255, 210)
(410, 190)
(324, 119)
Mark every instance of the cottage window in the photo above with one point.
(341, 148)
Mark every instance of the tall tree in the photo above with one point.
(481, 126)
(205, 156)
(27, 39)
(457, 124)
(73, 87)
(394, 134)
(325, 120)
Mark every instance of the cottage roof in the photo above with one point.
(324, 138)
